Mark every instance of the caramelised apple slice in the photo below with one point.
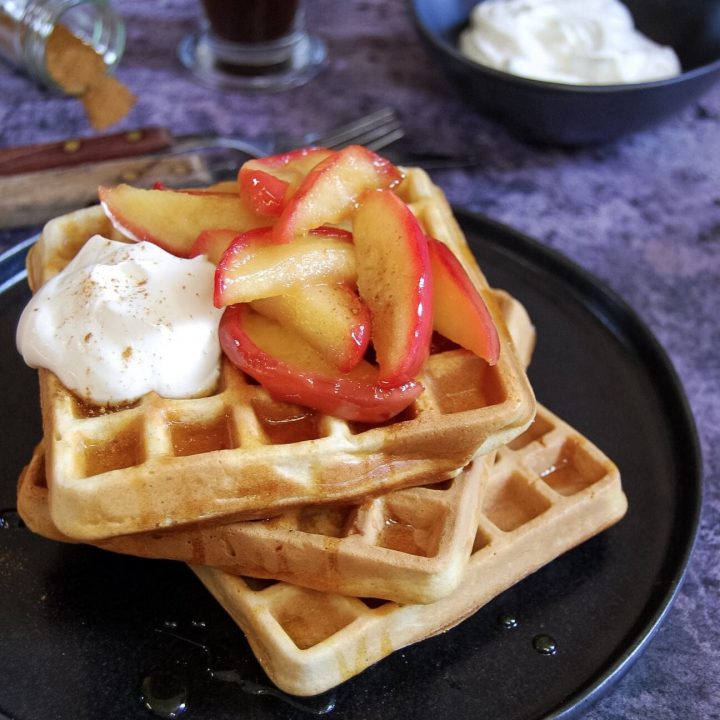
(292, 371)
(395, 281)
(459, 311)
(213, 243)
(173, 219)
(330, 191)
(268, 182)
(256, 266)
(331, 318)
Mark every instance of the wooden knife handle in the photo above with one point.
(76, 151)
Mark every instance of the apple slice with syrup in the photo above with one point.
(267, 183)
(331, 318)
(395, 281)
(292, 371)
(213, 243)
(257, 266)
(330, 191)
(173, 219)
(459, 311)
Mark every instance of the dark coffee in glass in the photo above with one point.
(253, 45)
(251, 21)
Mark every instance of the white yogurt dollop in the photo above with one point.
(582, 42)
(124, 319)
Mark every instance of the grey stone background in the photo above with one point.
(642, 214)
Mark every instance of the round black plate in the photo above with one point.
(81, 629)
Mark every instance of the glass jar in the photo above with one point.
(26, 27)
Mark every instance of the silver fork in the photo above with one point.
(375, 131)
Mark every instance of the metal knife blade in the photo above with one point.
(34, 197)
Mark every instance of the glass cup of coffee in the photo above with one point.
(253, 45)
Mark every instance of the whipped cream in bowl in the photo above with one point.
(122, 320)
(581, 42)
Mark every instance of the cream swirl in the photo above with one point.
(124, 319)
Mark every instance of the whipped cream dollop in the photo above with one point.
(124, 319)
(583, 42)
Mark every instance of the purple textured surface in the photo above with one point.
(643, 214)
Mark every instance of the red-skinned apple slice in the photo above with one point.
(292, 371)
(213, 243)
(331, 318)
(264, 192)
(330, 191)
(256, 266)
(268, 182)
(395, 281)
(173, 219)
(459, 311)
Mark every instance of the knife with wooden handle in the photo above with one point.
(81, 150)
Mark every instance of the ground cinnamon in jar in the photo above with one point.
(79, 70)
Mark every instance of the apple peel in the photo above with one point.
(459, 312)
(331, 190)
(267, 183)
(292, 371)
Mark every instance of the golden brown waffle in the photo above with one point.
(409, 545)
(238, 454)
(549, 490)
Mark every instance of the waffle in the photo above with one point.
(410, 545)
(239, 454)
(548, 490)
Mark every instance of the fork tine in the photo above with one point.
(375, 130)
(381, 137)
(349, 133)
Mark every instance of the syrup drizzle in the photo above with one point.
(165, 692)
(10, 519)
(322, 706)
(544, 644)
(508, 621)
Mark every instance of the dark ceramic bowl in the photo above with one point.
(576, 114)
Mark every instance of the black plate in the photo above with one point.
(81, 629)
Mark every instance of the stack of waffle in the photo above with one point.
(331, 543)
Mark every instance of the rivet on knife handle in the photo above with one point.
(76, 151)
